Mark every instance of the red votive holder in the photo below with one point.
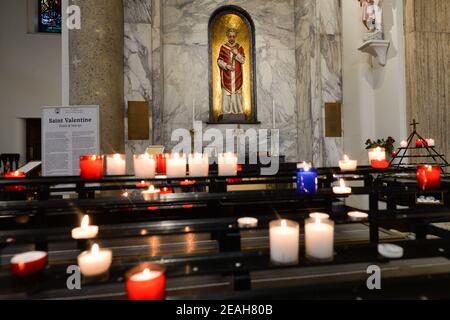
(166, 190)
(161, 163)
(379, 164)
(28, 263)
(429, 177)
(146, 282)
(421, 143)
(15, 175)
(91, 167)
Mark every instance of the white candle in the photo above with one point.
(284, 241)
(85, 231)
(151, 194)
(430, 142)
(176, 166)
(404, 144)
(319, 215)
(116, 165)
(198, 165)
(377, 154)
(347, 164)
(228, 164)
(319, 239)
(144, 166)
(342, 188)
(247, 222)
(95, 262)
(357, 215)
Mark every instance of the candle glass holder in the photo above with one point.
(377, 154)
(144, 166)
(319, 239)
(15, 175)
(428, 177)
(116, 165)
(307, 181)
(146, 281)
(176, 165)
(284, 242)
(91, 167)
(227, 164)
(198, 165)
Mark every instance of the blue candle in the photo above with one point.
(306, 180)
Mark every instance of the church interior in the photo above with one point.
(224, 150)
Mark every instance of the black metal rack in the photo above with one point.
(407, 152)
(225, 264)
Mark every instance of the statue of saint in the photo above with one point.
(372, 17)
(230, 62)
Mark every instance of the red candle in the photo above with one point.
(166, 190)
(15, 175)
(161, 163)
(379, 164)
(91, 167)
(420, 143)
(187, 183)
(28, 263)
(429, 177)
(143, 184)
(146, 282)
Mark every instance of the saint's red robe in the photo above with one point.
(225, 75)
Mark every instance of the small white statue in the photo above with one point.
(372, 17)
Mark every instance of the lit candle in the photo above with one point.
(421, 143)
(85, 231)
(379, 164)
(319, 215)
(116, 165)
(342, 188)
(304, 165)
(284, 241)
(307, 180)
(95, 262)
(144, 166)
(404, 144)
(161, 163)
(151, 194)
(176, 166)
(247, 223)
(198, 165)
(429, 177)
(357, 215)
(319, 239)
(146, 282)
(166, 190)
(228, 163)
(91, 167)
(15, 175)
(377, 154)
(347, 164)
(430, 142)
(28, 263)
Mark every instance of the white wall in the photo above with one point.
(374, 96)
(30, 74)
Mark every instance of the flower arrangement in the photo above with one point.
(387, 144)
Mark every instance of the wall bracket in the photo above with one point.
(376, 48)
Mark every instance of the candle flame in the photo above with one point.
(85, 222)
(342, 183)
(146, 273)
(95, 249)
(151, 188)
(146, 156)
(117, 156)
(94, 158)
(318, 222)
(346, 158)
(176, 156)
(283, 223)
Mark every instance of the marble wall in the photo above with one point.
(298, 65)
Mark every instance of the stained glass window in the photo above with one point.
(49, 16)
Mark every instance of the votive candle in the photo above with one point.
(284, 242)
(198, 165)
(95, 262)
(91, 167)
(146, 282)
(228, 163)
(144, 166)
(176, 166)
(319, 239)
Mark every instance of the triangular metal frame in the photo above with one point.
(402, 153)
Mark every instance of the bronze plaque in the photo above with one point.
(138, 120)
(333, 120)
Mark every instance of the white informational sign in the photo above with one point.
(67, 134)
